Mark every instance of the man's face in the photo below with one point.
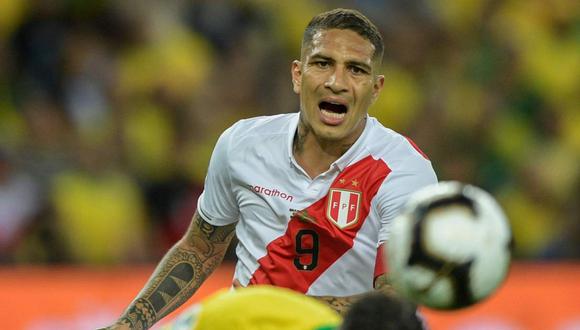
(337, 84)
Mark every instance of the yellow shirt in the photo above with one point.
(257, 307)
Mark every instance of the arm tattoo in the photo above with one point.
(343, 304)
(383, 284)
(340, 304)
(212, 233)
(180, 273)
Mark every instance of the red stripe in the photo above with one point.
(417, 148)
(380, 262)
(277, 266)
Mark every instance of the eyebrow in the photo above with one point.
(351, 62)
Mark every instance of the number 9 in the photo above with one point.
(303, 249)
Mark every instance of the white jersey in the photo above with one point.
(317, 235)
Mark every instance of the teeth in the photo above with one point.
(333, 114)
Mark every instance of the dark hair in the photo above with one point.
(345, 19)
(377, 311)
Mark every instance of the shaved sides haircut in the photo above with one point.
(345, 19)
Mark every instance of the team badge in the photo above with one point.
(343, 206)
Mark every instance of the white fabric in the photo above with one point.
(253, 179)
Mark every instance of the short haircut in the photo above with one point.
(377, 311)
(345, 19)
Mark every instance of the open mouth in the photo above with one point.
(332, 113)
(332, 107)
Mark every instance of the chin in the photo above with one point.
(330, 134)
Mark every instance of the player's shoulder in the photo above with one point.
(263, 125)
(393, 147)
(251, 132)
(410, 167)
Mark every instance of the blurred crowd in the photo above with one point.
(109, 111)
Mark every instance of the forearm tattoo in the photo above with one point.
(340, 304)
(383, 284)
(180, 273)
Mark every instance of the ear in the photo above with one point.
(296, 73)
(378, 86)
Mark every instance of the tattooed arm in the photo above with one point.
(342, 304)
(179, 274)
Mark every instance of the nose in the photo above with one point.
(336, 81)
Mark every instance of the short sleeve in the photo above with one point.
(397, 189)
(217, 203)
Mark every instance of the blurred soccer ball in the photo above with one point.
(450, 247)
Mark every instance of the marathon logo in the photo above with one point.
(272, 193)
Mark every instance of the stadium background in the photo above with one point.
(109, 111)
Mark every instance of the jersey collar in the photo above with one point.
(355, 150)
(345, 159)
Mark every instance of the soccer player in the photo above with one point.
(310, 195)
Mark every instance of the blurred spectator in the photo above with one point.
(19, 204)
(97, 203)
(37, 47)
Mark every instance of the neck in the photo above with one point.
(315, 155)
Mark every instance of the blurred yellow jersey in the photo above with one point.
(257, 307)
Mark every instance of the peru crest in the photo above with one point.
(343, 207)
